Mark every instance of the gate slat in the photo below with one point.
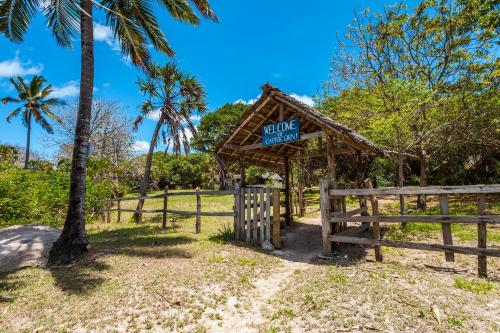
(249, 213)
(261, 215)
(268, 214)
(255, 219)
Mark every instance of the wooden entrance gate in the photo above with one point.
(257, 215)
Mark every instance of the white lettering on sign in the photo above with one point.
(286, 131)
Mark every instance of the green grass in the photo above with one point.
(475, 286)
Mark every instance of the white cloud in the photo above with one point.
(140, 146)
(14, 67)
(304, 99)
(248, 102)
(70, 89)
(154, 115)
(195, 117)
(103, 33)
(106, 85)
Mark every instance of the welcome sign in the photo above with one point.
(286, 131)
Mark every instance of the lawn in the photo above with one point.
(143, 278)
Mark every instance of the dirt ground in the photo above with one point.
(143, 279)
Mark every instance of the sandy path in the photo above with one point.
(301, 244)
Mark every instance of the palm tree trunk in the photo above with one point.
(147, 170)
(73, 241)
(28, 140)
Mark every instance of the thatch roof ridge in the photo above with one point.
(323, 118)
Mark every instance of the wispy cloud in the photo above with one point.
(70, 89)
(155, 115)
(15, 67)
(303, 98)
(249, 101)
(140, 146)
(103, 33)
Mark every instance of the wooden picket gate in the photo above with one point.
(257, 215)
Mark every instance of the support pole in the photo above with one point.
(242, 173)
(332, 182)
(276, 218)
(165, 207)
(237, 212)
(198, 211)
(482, 261)
(288, 215)
(119, 212)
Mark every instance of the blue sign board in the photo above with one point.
(286, 131)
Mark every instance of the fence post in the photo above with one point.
(198, 211)
(249, 214)
(326, 226)
(446, 227)
(268, 214)
(482, 261)
(165, 206)
(276, 218)
(119, 212)
(376, 229)
(108, 212)
(261, 215)
(237, 217)
(255, 234)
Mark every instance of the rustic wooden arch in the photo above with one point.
(244, 143)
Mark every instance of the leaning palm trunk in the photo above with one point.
(73, 241)
(147, 170)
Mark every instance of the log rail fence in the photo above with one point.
(254, 220)
(341, 217)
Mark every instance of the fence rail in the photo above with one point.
(165, 210)
(335, 218)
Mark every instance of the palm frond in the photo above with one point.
(63, 19)
(9, 99)
(35, 84)
(16, 16)
(46, 110)
(14, 114)
(46, 125)
(181, 10)
(204, 8)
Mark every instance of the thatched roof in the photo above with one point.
(244, 141)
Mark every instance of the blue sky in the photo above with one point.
(288, 43)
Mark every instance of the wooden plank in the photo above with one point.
(165, 207)
(242, 214)
(249, 214)
(198, 211)
(276, 240)
(332, 184)
(482, 262)
(237, 212)
(268, 214)
(261, 215)
(465, 219)
(446, 227)
(326, 226)
(414, 190)
(255, 219)
(417, 246)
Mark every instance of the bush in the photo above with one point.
(28, 196)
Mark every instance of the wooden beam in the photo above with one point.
(414, 190)
(260, 123)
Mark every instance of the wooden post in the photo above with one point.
(446, 227)
(332, 183)
(261, 215)
(237, 212)
(119, 212)
(288, 215)
(108, 212)
(242, 214)
(242, 173)
(268, 214)
(326, 225)
(255, 234)
(165, 207)
(376, 229)
(198, 211)
(359, 184)
(301, 201)
(482, 261)
(249, 214)
(276, 218)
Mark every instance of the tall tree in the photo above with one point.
(213, 127)
(134, 24)
(173, 97)
(36, 104)
(445, 47)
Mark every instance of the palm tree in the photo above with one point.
(35, 104)
(172, 96)
(135, 25)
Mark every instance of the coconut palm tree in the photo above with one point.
(36, 103)
(134, 24)
(172, 96)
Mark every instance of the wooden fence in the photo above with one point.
(165, 210)
(335, 218)
(255, 221)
